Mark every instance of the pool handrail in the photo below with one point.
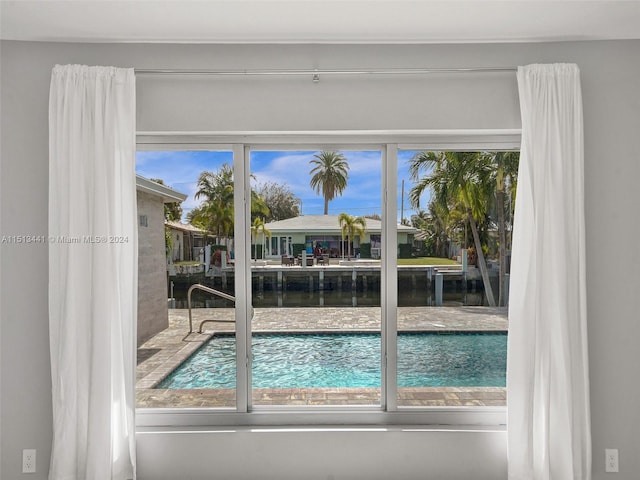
(197, 286)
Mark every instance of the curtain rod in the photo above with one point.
(315, 73)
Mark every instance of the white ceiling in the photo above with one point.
(318, 21)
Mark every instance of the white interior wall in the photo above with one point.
(327, 454)
(612, 115)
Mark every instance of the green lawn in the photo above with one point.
(426, 261)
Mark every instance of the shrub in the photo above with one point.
(404, 250)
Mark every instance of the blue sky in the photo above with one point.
(180, 171)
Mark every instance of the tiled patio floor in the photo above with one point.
(163, 353)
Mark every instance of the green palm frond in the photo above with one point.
(329, 175)
(351, 226)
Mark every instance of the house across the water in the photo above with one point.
(308, 232)
(187, 241)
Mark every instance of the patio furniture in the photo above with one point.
(309, 260)
(287, 261)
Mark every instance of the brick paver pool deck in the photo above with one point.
(160, 355)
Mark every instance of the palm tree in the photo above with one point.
(258, 228)
(259, 207)
(437, 226)
(456, 177)
(506, 172)
(351, 226)
(218, 185)
(216, 211)
(329, 175)
(215, 216)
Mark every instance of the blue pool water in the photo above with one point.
(349, 360)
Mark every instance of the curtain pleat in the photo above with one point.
(92, 271)
(547, 366)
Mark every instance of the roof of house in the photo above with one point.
(324, 223)
(184, 227)
(168, 195)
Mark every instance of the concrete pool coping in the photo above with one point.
(160, 355)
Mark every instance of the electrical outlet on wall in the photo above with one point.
(611, 459)
(28, 460)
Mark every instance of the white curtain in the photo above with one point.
(92, 271)
(547, 373)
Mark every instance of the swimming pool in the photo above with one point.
(348, 360)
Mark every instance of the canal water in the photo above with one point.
(305, 288)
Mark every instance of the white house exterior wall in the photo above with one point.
(152, 268)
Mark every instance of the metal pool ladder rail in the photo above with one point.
(197, 286)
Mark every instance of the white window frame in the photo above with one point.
(389, 143)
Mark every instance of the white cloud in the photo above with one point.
(180, 170)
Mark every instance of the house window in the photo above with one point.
(329, 304)
(278, 246)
